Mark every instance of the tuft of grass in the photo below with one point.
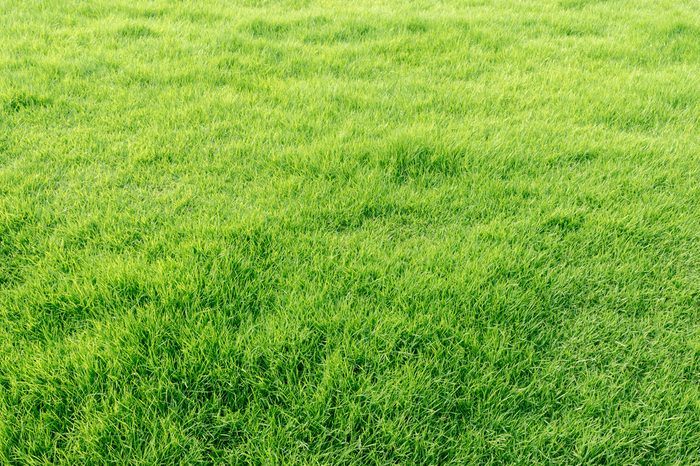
(409, 159)
(23, 101)
(133, 31)
(297, 232)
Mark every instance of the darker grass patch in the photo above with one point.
(148, 12)
(416, 27)
(327, 32)
(683, 31)
(348, 220)
(580, 4)
(571, 30)
(231, 45)
(14, 241)
(136, 31)
(681, 42)
(563, 223)
(96, 69)
(23, 101)
(158, 156)
(9, 273)
(5, 147)
(582, 156)
(407, 160)
(237, 279)
(64, 308)
(10, 252)
(234, 278)
(575, 158)
(354, 32)
(262, 29)
(684, 101)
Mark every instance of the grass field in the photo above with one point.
(368, 232)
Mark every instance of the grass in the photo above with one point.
(295, 232)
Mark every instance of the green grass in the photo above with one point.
(371, 232)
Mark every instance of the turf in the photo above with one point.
(368, 232)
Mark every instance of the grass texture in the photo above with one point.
(368, 232)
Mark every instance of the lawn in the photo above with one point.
(369, 232)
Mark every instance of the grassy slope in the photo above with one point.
(407, 232)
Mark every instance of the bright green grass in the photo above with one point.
(423, 232)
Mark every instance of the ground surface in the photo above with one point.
(422, 232)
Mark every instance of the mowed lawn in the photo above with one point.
(367, 232)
